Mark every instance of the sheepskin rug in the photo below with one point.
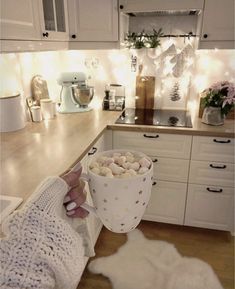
(148, 264)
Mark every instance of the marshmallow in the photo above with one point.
(126, 165)
(144, 162)
(121, 160)
(94, 165)
(130, 159)
(128, 154)
(132, 172)
(101, 160)
(116, 170)
(96, 171)
(108, 161)
(120, 165)
(104, 171)
(135, 166)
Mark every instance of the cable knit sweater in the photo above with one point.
(41, 249)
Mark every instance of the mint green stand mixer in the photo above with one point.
(75, 95)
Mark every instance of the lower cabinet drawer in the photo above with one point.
(174, 170)
(167, 203)
(210, 207)
(211, 173)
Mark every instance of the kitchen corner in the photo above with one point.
(51, 147)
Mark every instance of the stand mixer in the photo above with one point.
(75, 95)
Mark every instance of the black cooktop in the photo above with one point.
(156, 117)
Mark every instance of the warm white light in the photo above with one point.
(189, 61)
(117, 58)
(200, 82)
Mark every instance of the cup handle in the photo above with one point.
(86, 206)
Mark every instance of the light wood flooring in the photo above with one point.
(214, 247)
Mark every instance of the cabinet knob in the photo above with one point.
(121, 7)
(74, 36)
(205, 35)
(154, 183)
(45, 34)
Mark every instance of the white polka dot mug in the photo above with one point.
(119, 202)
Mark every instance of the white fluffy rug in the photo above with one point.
(148, 264)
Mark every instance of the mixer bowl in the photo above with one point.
(82, 95)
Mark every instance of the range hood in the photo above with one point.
(161, 7)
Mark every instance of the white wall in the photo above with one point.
(114, 66)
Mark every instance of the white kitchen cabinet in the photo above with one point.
(54, 20)
(167, 202)
(215, 149)
(210, 207)
(166, 169)
(20, 21)
(154, 144)
(93, 20)
(159, 5)
(210, 200)
(211, 173)
(34, 20)
(218, 25)
(170, 154)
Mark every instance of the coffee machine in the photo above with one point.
(75, 95)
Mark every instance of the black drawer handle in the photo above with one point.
(151, 136)
(94, 150)
(218, 167)
(214, 191)
(46, 34)
(222, 141)
(155, 160)
(154, 183)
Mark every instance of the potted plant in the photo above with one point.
(218, 100)
(142, 40)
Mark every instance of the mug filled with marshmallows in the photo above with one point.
(120, 185)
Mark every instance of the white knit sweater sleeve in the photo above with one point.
(41, 250)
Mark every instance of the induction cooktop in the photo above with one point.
(155, 117)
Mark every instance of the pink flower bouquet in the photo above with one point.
(220, 94)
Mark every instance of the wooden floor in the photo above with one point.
(214, 247)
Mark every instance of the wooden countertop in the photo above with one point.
(52, 147)
(48, 148)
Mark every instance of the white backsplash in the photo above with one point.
(114, 66)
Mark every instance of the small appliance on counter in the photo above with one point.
(114, 97)
(12, 113)
(75, 94)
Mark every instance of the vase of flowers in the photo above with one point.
(218, 100)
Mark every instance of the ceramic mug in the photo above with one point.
(119, 203)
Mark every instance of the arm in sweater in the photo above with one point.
(41, 249)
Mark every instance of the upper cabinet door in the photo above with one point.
(54, 19)
(20, 20)
(92, 20)
(218, 24)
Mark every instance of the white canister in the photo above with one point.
(47, 108)
(36, 113)
(12, 113)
